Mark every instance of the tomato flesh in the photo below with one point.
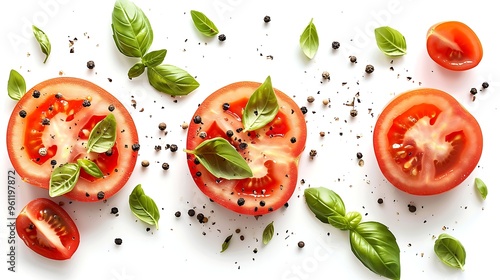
(426, 143)
(272, 152)
(47, 229)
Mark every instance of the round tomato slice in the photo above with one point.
(454, 46)
(50, 126)
(426, 143)
(272, 152)
(47, 229)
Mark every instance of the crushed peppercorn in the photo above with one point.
(86, 103)
(335, 45)
(222, 37)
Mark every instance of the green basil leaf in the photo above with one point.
(324, 203)
(268, 233)
(136, 70)
(353, 219)
(309, 40)
(63, 179)
(204, 24)
(154, 58)
(16, 86)
(481, 188)
(338, 221)
(144, 207)
(103, 135)
(171, 80)
(390, 41)
(43, 41)
(376, 247)
(90, 167)
(450, 251)
(261, 108)
(226, 242)
(221, 159)
(132, 31)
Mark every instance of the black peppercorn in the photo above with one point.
(114, 210)
(118, 241)
(111, 108)
(229, 133)
(485, 85)
(303, 109)
(136, 147)
(174, 148)
(45, 121)
(241, 201)
(86, 103)
(369, 69)
(23, 114)
(36, 93)
(267, 19)
(197, 119)
(293, 140)
(222, 37)
(243, 146)
(380, 201)
(200, 217)
(191, 212)
(473, 91)
(353, 59)
(198, 174)
(90, 64)
(162, 126)
(177, 214)
(100, 195)
(335, 45)
(225, 106)
(301, 244)
(412, 208)
(359, 155)
(53, 162)
(165, 166)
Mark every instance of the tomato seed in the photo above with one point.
(145, 163)
(325, 75)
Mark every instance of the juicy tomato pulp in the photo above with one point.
(50, 125)
(272, 152)
(454, 46)
(47, 229)
(426, 143)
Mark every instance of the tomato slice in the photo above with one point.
(272, 152)
(47, 229)
(56, 117)
(426, 143)
(454, 46)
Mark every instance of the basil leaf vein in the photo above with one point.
(171, 80)
(261, 108)
(90, 168)
(144, 207)
(43, 41)
(103, 135)
(390, 41)
(309, 40)
(481, 188)
(154, 58)
(450, 251)
(63, 179)
(204, 24)
(268, 233)
(16, 85)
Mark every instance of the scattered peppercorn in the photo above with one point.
(301, 244)
(114, 210)
(222, 37)
(353, 59)
(303, 109)
(325, 75)
(229, 133)
(145, 163)
(136, 147)
(203, 135)
(23, 114)
(90, 64)
(241, 201)
(111, 108)
(118, 241)
(53, 162)
(326, 101)
(100, 195)
(197, 119)
(177, 214)
(36, 94)
(313, 153)
(359, 155)
(267, 19)
(485, 85)
(380, 201)
(412, 208)
(293, 140)
(354, 112)
(262, 203)
(473, 91)
(310, 99)
(335, 45)
(369, 69)
(162, 126)
(322, 134)
(198, 174)
(200, 217)
(45, 121)
(165, 166)
(225, 106)
(174, 148)
(86, 103)
(243, 145)
(191, 212)
(184, 125)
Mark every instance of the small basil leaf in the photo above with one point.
(144, 207)
(450, 251)
(390, 41)
(171, 80)
(376, 247)
(16, 86)
(221, 159)
(324, 202)
(63, 179)
(353, 219)
(309, 40)
(481, 188)
(43, 40)
(226, 242)
(90, 168)
(154, 58)
(103, 135)
(338, 221)
(136, 70)
(268, 233)
(204, 24)
(132, 31)
(261, 108)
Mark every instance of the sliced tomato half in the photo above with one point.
(50, 126)
(272, 152)
(426, 142)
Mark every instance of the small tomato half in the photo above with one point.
(272, 152)
(426, 142)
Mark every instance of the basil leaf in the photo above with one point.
(16, 85)
(338, 221)
(171, 80)
(324, 203)
(154, 58)
(144, 206)
(204, 24)
(261, 108)
(221, 159)
(376, 247)
(309, 40)
(226, 242)
(103, 135)
(268, 233)
(136, 70)
(63, 179)
(390, 41)
(43, 41)
(481, 188)
(353, 219)
(90, 167)
(132, 31)
(450, 251)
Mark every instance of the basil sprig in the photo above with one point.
(390, 41)
(371, 242)
(481, 188)
(309, 40)
(221, 159)
(133, 36)
(103, 135)
(204, 24)
(450, 251)
(261, 108)
(143, 206)
(43, 41)
(16, 85)
(268, 233)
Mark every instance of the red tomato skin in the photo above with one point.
(60, 220)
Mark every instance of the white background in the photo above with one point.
(183, 246)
